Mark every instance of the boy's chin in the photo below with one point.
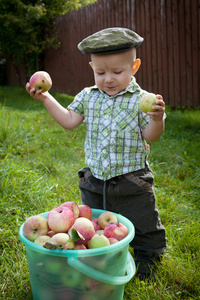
(111, 92)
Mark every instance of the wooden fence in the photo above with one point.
(170, 53)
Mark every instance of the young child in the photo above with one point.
(118, 177)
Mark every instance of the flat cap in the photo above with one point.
(110, 40)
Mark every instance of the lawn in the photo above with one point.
(39, 162)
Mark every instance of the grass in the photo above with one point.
(39, 162)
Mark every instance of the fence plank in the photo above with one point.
(195, 58)
(188, 36)
(154, 49)
(176, 54)
(182, 54)
(160, 71)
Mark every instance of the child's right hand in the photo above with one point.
(37, 95)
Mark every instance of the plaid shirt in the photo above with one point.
(114, 143)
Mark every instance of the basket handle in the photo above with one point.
(100, 276)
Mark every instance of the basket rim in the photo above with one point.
(85, 252)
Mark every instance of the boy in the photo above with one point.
(118, 177)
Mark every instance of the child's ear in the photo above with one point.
(91, 64)
(136, 65)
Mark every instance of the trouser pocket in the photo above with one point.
(140, 182)
(83, 174)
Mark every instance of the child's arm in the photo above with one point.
(67, 119)
(156, 126)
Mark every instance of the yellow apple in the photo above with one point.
(147, 102)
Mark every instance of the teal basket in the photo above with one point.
(96, 274)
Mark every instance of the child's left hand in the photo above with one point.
(160, 109)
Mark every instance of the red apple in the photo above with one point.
(73, 206)
(35, 226)
(85, 227)
(91, 284)
(106, 218)
(95, 224)
(85, 211)
(112, 240)
(79, 247)
(60, 219)
(116, 230)
(51, 233)
(41, 80)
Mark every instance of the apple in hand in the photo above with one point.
(116, 230)
(98, 240)
(41, 80)
(41, 240)
(85, 227)
(62, 241)
(147, 102)
(73, 206)
(60, 219)
(85, 211)
(35, 226)
(106, 218)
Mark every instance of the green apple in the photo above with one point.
(71, 278)
(98, 240)
(53, 266)
(41, 240)
(100, 231)
(147, 102)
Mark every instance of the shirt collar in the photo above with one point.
(130, 88)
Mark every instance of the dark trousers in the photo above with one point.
(132, 196)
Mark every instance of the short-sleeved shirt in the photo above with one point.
(114, 144)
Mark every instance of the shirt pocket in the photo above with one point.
(125, 119)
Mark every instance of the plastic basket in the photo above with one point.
(94, 274)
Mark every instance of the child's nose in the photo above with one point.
(109, 77)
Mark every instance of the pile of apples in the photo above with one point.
(70, 226)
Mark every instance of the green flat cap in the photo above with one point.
(109, 40)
